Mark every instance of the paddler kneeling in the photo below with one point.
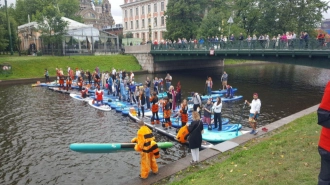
(98, 95)
(148, 149)
(84, 93)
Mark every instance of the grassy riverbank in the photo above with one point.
(33, 67)
(240, 61)
(286, 156)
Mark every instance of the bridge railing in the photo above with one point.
(294, 44)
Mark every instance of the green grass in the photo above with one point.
(238, 61)
(33, 67)
(286, 156)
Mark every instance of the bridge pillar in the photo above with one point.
(171, 62)
(143, 56)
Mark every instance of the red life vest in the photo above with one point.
(99, 95)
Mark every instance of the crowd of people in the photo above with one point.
(287, 40)
(121, 84)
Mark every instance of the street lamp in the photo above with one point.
(9, 31)
(150, 33)
(230, 21)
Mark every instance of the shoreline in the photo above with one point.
(169, 171)
(34, 80)
(42, 79)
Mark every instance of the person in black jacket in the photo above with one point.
(195, 137)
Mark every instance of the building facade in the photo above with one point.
(98, 14)
(145, 19)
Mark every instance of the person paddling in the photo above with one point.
(230, 92)
(224, 79)
(207, 113)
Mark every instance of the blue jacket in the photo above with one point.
(132, 88)
(110, 81)
(230, 92)
(147, 91)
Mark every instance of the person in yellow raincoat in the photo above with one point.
(148, 149)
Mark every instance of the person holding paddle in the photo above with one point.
(254, 112)
(224, 79)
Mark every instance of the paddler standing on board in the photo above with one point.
(167, 113)
(80, 83)
(154, 108)
(68, 83)
(148, 149)
(184, 113)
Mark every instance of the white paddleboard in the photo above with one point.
(103, 107)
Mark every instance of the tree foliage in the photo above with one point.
(51, 25)
(185, 17)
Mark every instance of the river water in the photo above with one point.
(38, 125)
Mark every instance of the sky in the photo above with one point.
(117, 13)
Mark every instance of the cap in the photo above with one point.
(323, 112)
(255, 94)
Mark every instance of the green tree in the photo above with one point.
(23, 8)
(52, 26)
(3, 41)
(129, 35)
(183, 18)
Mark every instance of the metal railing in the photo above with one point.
(294, 44)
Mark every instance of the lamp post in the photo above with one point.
(230, 21)
(150, 33)
(9, 31)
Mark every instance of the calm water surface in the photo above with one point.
(38, 125)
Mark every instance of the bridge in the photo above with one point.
(174, 56)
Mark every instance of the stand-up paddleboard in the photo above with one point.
(223, 99)
(176, 122)
(162, 95)
(220, 136)
(169, 133)
(61, 90)
(103, 107)
(110, 147)
(78, 97)
(213, 96)
(223, 91)
(114, 105)
(125, 111)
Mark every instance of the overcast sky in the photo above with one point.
(116, 10)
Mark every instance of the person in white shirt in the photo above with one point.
(254, 113)
(217, 106)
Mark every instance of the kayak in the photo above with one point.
(104, 107)
(110, 147)
(78, 97)
(223, 91)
